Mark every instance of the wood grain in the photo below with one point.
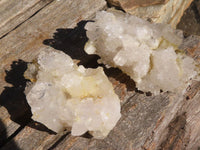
(168, 12)
(14, 13)
(7, 126)
(22, 45)
(27, 41)
(136, 3)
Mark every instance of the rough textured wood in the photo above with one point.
(24, 43)
(136, 3)
(192, 131)
(33, 136)
(170, 12)
(190, 22)
(7, 126)
(13, 13)
(166, 121)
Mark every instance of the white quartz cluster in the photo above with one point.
(66, 95)
(147, 52)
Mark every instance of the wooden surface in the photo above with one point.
(136, 3)
(190, 22)
(14, 13)
(166, 121)
(168, 11)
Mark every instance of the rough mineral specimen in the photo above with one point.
(147, 52)
(66, 95)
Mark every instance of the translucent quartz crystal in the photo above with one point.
(147, 52)
(66, 95)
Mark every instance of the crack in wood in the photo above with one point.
(4, 35)
(8, 139)
(176, 133)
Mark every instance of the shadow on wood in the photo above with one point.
(14, 99)
(72, 42)
(118, 75)
(4, 139)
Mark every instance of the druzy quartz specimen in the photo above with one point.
(147, 52)
(65, 95)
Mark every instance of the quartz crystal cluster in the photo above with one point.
(66, 95)
(147, 52)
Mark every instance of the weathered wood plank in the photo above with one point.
(13, 13)
(136, 3)
(193, 123)
(7, 126)
(26, 139)
(190, 22)
(14, 110)
(34, 136)
(170, 12)
(191, 138)
(25, 43)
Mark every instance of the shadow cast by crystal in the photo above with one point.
(118, 75)
(14, 99)
(72, 42)
(4, 138)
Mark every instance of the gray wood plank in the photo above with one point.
(15, 12)
(7, 126)
(27, 41)
(24, 43)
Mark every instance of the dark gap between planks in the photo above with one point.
(25, 20)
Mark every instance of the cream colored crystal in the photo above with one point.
(66, 95)
(146, 52)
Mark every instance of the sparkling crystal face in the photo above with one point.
(145, 51)
(66, 95)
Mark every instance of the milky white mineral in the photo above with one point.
(147, 52)
(66, 95)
